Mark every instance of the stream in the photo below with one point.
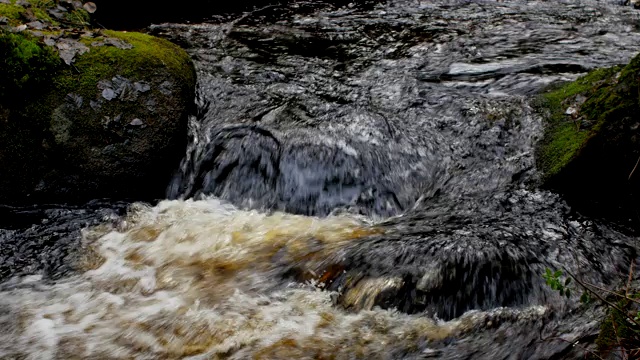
(360, 183)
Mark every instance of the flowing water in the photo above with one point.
(360, 184)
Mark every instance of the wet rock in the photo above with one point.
(44, 240)
(589, 151)
(62, 128)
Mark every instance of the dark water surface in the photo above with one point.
(399, 138)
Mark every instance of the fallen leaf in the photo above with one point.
(108, 94)
(36, 25)
(136, 122)
(69, 48)
(49, 41)
(90, 7)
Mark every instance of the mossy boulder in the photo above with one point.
(86, 113)
(592, 139)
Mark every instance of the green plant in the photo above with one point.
(620, 329)
(555, 280)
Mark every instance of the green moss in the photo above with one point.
(38, 9)
(149, 55)
(25, 65)
(78, 17)
(564, 136)
(41, 14)
(12, 12)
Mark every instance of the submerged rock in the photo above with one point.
(591, 146)
(55, 94)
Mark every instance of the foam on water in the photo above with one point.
(202, 280)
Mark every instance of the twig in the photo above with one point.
(615, 331)
(630, 276)
(613, 293)
(634, 169)
(601, 298)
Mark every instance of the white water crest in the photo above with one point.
(203, 280)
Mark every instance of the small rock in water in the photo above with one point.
(90, 7)
(427, 353)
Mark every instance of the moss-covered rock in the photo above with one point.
(85, 113)
(592, 139)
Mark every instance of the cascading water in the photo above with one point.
(360, 184)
